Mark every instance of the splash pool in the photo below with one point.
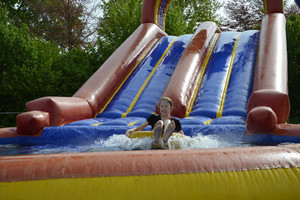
(120, 143)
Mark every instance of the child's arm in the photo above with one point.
(140, 127)
(177, 124)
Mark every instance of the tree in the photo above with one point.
(185, 16)
(293, 43)
(31, 67)
(242, 15)
(64, 21)
(18, 11)
(77, 66)
(26, 69)
(121, 17)
(245, 15)
(69, 23)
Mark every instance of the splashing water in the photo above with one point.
(199, 141)
(123, 143)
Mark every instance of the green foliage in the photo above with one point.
(31, 68)
(76, 66)
(243, 15)
(63, 22)
(19, 12)
(293, 44)
(26, 66)
(185, 16)
(122, 17)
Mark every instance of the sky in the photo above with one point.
(221, 11)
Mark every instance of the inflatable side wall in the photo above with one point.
(94, 94)
(270, 93)
(269, 105)
(232, 173)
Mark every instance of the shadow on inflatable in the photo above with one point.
(232, 85)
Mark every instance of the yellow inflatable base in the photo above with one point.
(144, 134)
(275, 184)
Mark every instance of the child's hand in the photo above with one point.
(173, 125)
(130, 131)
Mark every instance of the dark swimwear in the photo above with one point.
(156, 117)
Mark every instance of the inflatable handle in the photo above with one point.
(144, 134)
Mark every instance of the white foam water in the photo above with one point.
(123, 143)
(199, 141)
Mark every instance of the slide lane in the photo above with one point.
(146, 104)
(123, 98)
(212, 85)
(147, 80)
(190, 69)
(242, 75)
(227, 83)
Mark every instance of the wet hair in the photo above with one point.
(169, 100)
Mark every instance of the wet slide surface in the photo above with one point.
(143, 88)
(227, 83)
(225, 86)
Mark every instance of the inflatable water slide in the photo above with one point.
(229, 84)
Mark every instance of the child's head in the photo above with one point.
(167, 99)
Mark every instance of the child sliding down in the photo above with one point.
(162, 124)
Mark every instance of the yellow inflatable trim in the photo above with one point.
(175, 142)
(274, 184)
(144, 134)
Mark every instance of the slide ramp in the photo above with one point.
(227, 78)
(227, 82)
(138, 96)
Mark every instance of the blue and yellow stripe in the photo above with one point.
(122, 83)
(222, 101)
(147, 79)
(194, 95)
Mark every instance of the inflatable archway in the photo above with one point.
(229, 84)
